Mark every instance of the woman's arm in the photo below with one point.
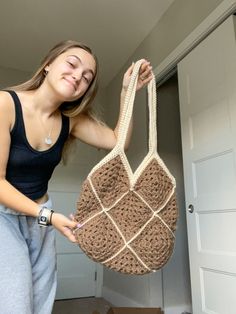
(9, 196)
(100, 135)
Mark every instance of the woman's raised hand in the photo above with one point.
(145, 75)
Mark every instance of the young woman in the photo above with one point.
(37, 119)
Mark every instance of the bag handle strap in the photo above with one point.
(128, 110)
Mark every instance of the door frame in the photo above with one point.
(221, 13)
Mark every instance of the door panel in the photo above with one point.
(76, 273)
(213, 283)
(215, 239)
(207, 89)
(76, 276)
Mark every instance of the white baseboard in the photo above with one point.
(183, 308)
(117, 299)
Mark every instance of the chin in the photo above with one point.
(67, 95)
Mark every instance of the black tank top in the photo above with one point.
(29, 170)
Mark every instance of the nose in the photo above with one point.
(77, 75)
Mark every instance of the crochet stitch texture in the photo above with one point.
(128, 219)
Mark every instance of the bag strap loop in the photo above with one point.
(128, 110)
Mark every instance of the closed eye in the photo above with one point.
(87, 80)
(71, 64)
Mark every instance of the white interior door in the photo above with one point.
(77, 274)
(207, 86)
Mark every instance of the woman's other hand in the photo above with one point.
(64, 225)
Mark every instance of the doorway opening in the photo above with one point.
(170, 150)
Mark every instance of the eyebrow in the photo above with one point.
(78, 58)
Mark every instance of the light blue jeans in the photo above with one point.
(27, 264)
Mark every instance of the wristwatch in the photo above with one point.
(45, 216)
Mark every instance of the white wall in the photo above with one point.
(178, 22)
(9, 77)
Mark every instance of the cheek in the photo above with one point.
(60, 69)
(82, 89)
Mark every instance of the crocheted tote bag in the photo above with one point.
(128, 218)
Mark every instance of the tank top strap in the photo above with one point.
(19, 122)
(65, 127)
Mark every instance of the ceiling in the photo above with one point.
(112, 28)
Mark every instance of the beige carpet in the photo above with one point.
(81, 306)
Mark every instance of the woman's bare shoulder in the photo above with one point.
(5, 99)
(6, 106)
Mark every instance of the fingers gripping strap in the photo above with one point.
(128, 110)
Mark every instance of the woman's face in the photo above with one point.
(71, 73)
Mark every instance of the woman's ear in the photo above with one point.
(46, 69)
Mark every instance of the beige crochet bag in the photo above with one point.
(128, 219)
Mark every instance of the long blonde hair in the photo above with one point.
(69, 109)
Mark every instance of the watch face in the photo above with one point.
(43, 219)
